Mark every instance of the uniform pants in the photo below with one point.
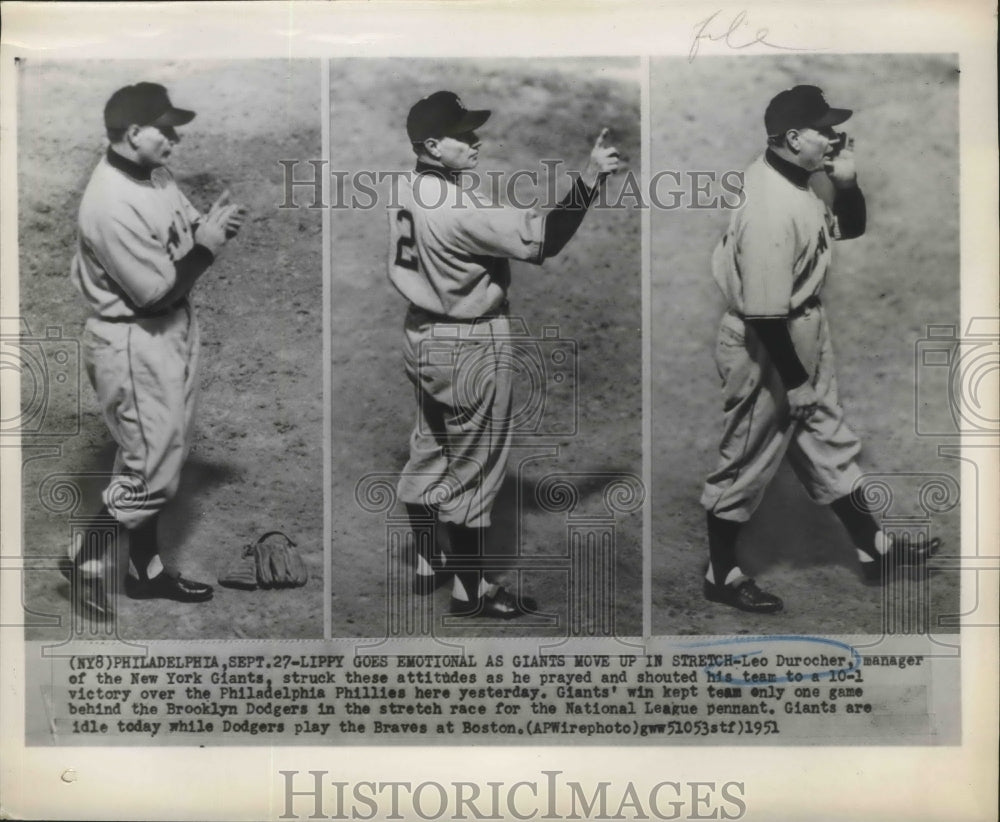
(759, 431)
(144, 372)
(462, 374)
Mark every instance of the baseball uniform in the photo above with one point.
(772, 262)
(137, 258)
(451, 263)
(773, 349)
(134, 227)
(449, 254)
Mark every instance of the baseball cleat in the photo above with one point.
(88, 593)
(167, 586)
(744, 595)
(902, 559)
(502, 605)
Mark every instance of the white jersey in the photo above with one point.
(131, 233)
(775, 255)
(449, 252)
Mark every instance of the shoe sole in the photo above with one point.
(913, 569)
(131, 593)
(486, 615)
(481, 613)
(205, 598)
(767, 609)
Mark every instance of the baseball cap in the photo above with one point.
(442, 114)
(144, 104)
(801, 107)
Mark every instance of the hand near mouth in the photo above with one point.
(840, 168)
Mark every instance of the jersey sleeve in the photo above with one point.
(765, 260)
(849, 214)
(509, 232)
(127, 248)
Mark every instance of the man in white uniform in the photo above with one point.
(449, 256)
(773, 350)
(142, 246)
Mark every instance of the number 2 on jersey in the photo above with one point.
(406, 252)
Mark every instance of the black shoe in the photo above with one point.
(745, 595)
(902, 559)
(87, 593)
(167, 586)
(502, 605)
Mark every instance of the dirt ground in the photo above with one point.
(256, 462)
(590, 294)
(257, 459)
(883, 291)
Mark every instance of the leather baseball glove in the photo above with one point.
(273, 561)
(279, 564)
(242, 571)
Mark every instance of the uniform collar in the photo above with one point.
(449, 174)
(794, 174)
(126, 166)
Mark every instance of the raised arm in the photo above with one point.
(213, 231)
(848, 202)
(562, 221)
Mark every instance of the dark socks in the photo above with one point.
(467, 548)
(143, 546)
(859, 522)
(421, 543)
(722, 534)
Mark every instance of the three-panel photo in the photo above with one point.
(498, 410)
(591, 348)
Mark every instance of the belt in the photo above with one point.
(182, 303)
(808, 305)
(432, 316)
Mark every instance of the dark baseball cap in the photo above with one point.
(801, 107)
(144, 104)
(442, 114)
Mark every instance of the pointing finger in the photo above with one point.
(601, 137)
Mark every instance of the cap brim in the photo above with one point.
(470, 122)
(834, 117)
(174, 117)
